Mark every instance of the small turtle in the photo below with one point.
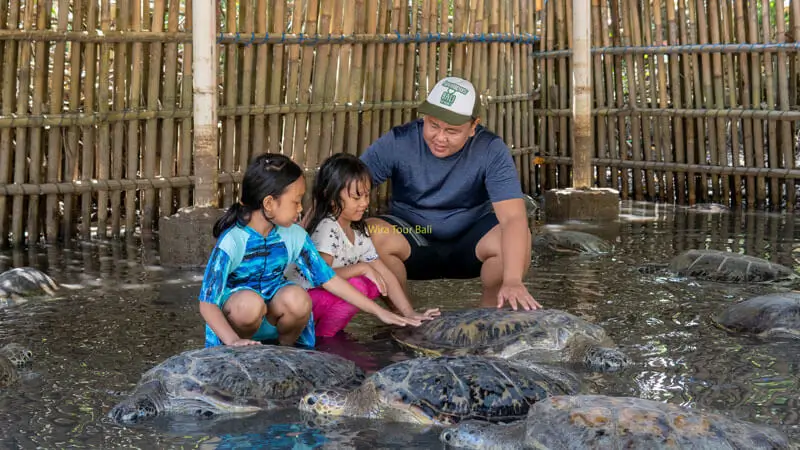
(772, 315)
(445, 390)
(723, 266)
(710, 208)
(24, 282)
(542, 335)
(602, 422)
(570, 241)
(234, 380)
(12, 357)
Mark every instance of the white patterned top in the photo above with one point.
(330, 238)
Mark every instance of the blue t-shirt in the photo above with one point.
(244, 259)
(448, 194)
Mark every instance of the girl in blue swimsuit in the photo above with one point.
(245, 297)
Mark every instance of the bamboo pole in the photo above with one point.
(21, 135)
(304, 94)
(735, 125)
(786, 141)
(344, 55)
(745, 95)
(8, 92)
(722, 193)
(120, 63)
(755, 76)
(313, 154)
(520, 79)
(642, 151)
(635, 127)
(774, 188)
(263, 74)
(679, 149)
(332, 80)
(410, 62)
(292, 85)
(41, 71)
(664, 127)
(356, 78)
(698, 145)
(276, 78)
(384, 85)
(598, 83)
(185, 158)
(245, 75)
(399, 9)
(54, 141)
(369, 76)
(619, 38)
(132, 165)
(230, 88)
(103, 158)
(582, 95)
(564, 26)
(204, 76)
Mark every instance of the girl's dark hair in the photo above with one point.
(268, 174)
(336, 173)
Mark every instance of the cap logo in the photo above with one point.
(448, 97)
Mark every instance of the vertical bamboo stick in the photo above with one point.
(21, 133)
(276, 91)
(331, 81)
(122, 15)
(185, 158)
(549, 136)
(786, 141)
(697, 150)
(89, 95)
(469, 58)
(459, 25)
(369, 75)
(347, 78)
(652, 126)
(385, 88)
(54, 141)
(563, 26)
(304, 97)
(444, 48)
(522, 84)
(425, 50)
(494, 52)
(617, 22)
(774, 188)
(41, 70)
(506, 71)
(515, 55)
(247, 12)
(732, 88)
(758, 130)
(598, 82)
(132, 165)
(104, 134)
(631, 74)
(400, 9)
(795, 60)
(664, 125)
(679, 149)
(641, 152)
(8, 94)
(356, 79)
(320, 66)
(263, 72)
(718, 95)
(292, 86)
(745, 95)
(230, 88)
(411, 62)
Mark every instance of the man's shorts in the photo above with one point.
(452, 258)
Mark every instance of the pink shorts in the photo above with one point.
(331, 313)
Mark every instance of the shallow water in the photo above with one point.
(121, 313)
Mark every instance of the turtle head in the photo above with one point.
(17, 354)
(605, 359)
(326, 402)
(480, 435)
(146, 402)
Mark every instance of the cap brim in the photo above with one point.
(442, 114)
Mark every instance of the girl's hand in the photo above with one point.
(391, 318)
(243, 342)
(427, 315)
(375, 277)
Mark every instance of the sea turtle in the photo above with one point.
(570, 241)
(542, 335)
(12, 357)
(711, 208)
(771, 315)
(602, 422)
(23, 282)
(234, 380)
(445, 390)
(723, 266)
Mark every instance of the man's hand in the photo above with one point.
(516, 292)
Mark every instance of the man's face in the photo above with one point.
(444, 139)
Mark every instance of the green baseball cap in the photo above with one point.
(452, 100)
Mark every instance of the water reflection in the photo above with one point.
(121, 313)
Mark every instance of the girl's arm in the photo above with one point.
(397, 295)
(339, 287)
(355, 270)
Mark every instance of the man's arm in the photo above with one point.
(515, 240)
(379, 158)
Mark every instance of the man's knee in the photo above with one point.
(491, 244)
(387, 239)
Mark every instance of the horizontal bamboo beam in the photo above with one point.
(732, 113)
(83, 119)
(677, 49)
(677, 167)
(260, 38)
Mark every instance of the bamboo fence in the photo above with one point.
(96, 97)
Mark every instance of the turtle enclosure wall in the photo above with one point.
(96, 97)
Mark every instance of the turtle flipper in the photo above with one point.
(605, 359)
(653, 268)
(8, 372)
(473, 434)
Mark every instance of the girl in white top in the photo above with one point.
(338, 231)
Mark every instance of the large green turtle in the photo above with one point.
(601, 422)
(570, 242)
(772, 315)
(224, 380)
(542, 335)
(723, 266)
(445, 390)
(22, 282)
(12, 357)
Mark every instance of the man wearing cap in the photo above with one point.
(456, 203)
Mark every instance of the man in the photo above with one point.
(456, 202)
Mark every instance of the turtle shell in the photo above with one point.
(502, 333)
(264, 376)
(450, 389)
(716, 265)
(772, 314)
(571, 241)
(601, 422)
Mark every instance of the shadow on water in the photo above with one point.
(121, 313)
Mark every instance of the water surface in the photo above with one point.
(121, 313)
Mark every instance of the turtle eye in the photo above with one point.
(311, 400)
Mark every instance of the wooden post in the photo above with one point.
(582, 94)
(206, 154)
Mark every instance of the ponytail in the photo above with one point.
(235, 214)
